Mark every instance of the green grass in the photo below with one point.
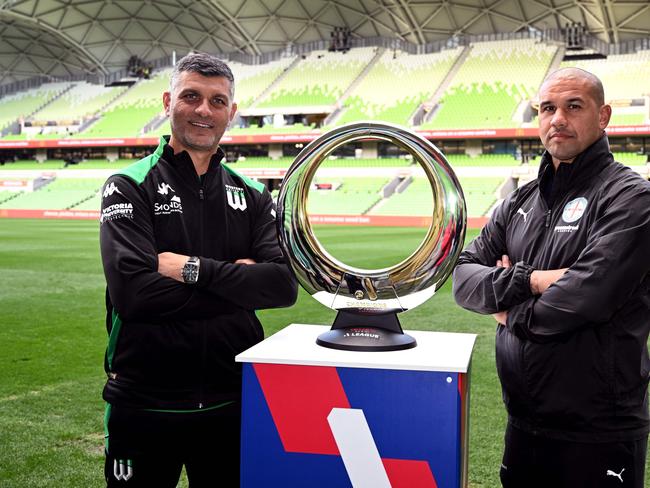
(52, 340)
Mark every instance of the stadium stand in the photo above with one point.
(23, 104)
(252, 80)
(375, 98)
(128, 115)
(631, 159)
(80, 101)
(416, 199)
(490, 84)
(60, 194)
(319, 79)
(482, 160)
(353, 196)
(262, 162)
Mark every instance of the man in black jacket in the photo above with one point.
(190, 252)
(564, 267)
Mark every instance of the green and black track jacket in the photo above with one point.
(573, 361)
(172, 345)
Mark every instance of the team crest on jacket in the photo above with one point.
(236, 197)
(574, 210)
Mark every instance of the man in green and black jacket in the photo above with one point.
(190, 251)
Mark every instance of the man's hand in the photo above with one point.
(541, 280)
(171, 265)
(245, 261)
(502, 317)
(504, 262)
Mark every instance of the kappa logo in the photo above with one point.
(164, 188)
(615, 474)
(110, 189)
(122, 469)
(236, 197)
(525, 214)
(574, 210)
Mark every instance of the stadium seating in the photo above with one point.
(318, 80)
(375, 97)
(263, 162)
(482, 160)
(128, 115)
(494, 79)
(353, 196)
(252, 80)
(631, 159)
(63, 193)
(416, 199)
(21, 105)
(82, 100)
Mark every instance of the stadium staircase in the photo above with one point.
(88, 122)
(427, 109)
(154, 123)
(387, 191)
(331, 119)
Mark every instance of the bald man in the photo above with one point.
(563, 266)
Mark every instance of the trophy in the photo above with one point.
(368, 300)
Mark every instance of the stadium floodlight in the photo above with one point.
(368, 300)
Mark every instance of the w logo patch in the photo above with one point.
(122, 469)
(236, 197)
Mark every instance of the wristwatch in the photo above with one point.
(190, 272)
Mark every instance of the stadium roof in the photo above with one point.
(59, 38)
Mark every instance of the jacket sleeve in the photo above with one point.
(130, 260)
(614, 265)
(267, 284)
(481, 286)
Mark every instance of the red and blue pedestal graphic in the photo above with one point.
(331, 427)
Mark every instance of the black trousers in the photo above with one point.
(149, 449)
(531, 461)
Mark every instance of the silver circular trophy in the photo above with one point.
(368, 300)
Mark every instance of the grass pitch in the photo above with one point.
(52, 341)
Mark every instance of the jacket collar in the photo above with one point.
(183, 158)
(555, 183)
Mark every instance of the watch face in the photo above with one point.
(190, 271)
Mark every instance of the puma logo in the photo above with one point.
(617, 475)
(525, 214)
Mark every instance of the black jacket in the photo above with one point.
(172, 345)
(573, 361)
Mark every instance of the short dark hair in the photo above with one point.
(204, 64)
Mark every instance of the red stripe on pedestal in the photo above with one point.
(405, 473)
(300, 398)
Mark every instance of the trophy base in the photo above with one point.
(352, 332)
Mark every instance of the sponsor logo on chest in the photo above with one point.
(236, 197)
(172, 205)
(572, 213)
